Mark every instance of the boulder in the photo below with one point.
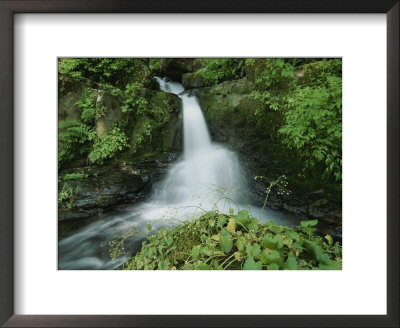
(108, 112)
(192, 81)
(226, 107)
(67, 110)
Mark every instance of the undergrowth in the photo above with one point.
(218, 241)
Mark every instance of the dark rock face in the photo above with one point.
(106, 187)
(175, 67)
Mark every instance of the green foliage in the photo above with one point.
(313, 126)
(73, 140)
(87, 105)
(272, 73)
(218, 70)
(117, 248)
(155, 64)
(308, 117)
(112, 71)
(105, 146)
(75, 176)
(122, 78)
(225, 241)
(218, 241)
(133, 100)
(67, 195)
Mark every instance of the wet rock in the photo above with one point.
(191, 81)
(106, 187)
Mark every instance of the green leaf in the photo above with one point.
(331, 265)
(316, 251)
(188, 266)
(203, 266)
(273, 242)
(250, 264)
(269, 242)
(279, 241)
(225, 241)
(169, 240)
(298, 247)
(288, 241)
(163, 265)
(276, 229)
(337, 249)
(273, 266)
(148, 227)
(270, 256)
(217, 266)
(308, 223)
(195, 252)
(253, 226)
(221, 221)
(294, 235)
(243, 217)
(291, 262)
(308, 230)
(254, 251)
(329, 239)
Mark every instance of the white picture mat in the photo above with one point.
(360, 288)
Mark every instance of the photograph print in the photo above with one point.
(199, 163)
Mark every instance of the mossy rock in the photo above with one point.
(228, 105)
(160, 130)
(67, 110)
(198, 63)
(111, 113)
(192, 81)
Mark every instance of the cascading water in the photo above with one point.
(204, 165)
(208, 176)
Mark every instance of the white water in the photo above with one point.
(204, 165)
(208, 176)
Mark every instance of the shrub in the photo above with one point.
(218, 70)
(73, 140)
(67, 195)
(107, 145)
(218, 241)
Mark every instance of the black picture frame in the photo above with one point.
(10, 7)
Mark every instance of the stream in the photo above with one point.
(207, 176)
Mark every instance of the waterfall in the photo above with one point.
(204, 165)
